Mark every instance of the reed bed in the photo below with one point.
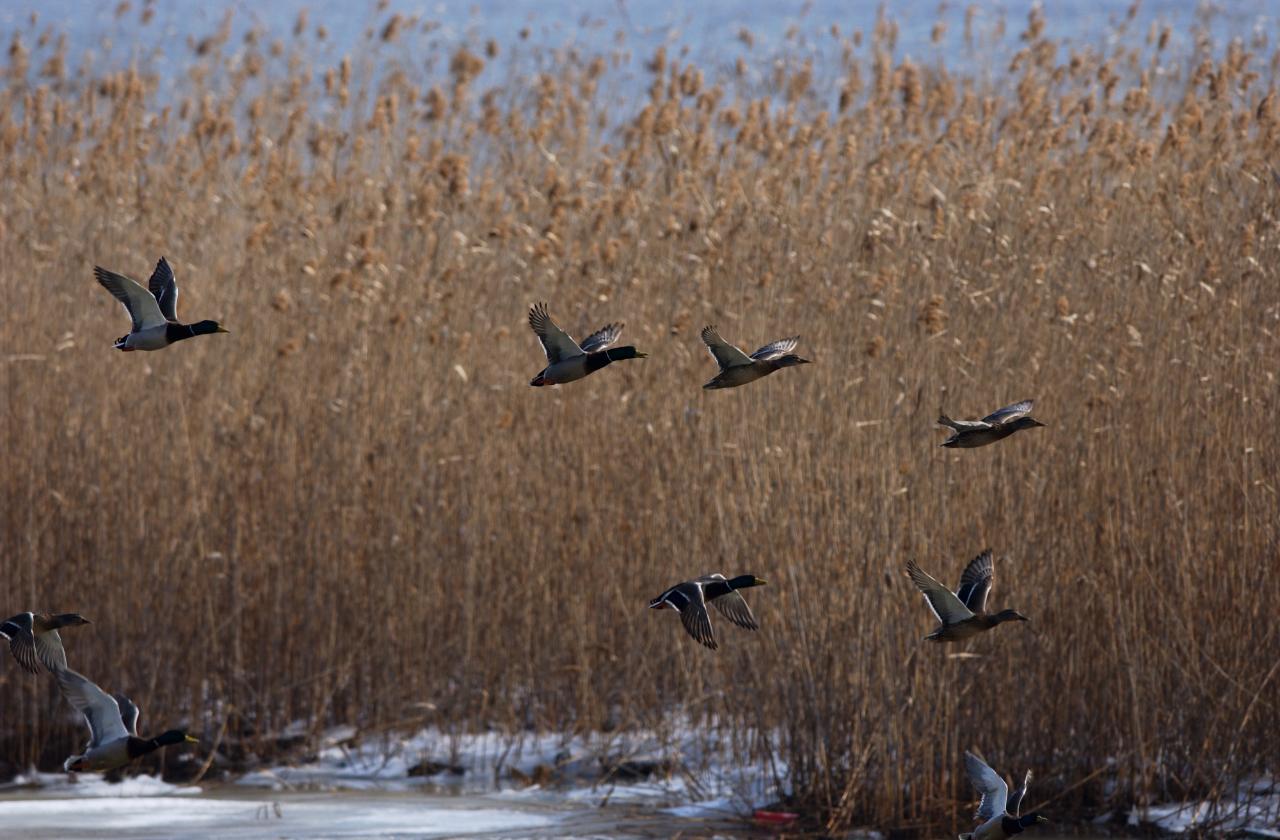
(355, 510)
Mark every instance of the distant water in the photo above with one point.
(708, 30)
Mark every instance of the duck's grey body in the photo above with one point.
(969, 434)
(569, 362)
(962, 614)
(113, 727)
(152, 310)
(34, 640)
(737, 368)
(999, 813)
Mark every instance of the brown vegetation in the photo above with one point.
(354, 506)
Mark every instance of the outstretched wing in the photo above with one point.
(1015, 798)
(781, 347)
(962, 425)
(975, 582)
(1009, 413)
(164, 287)
(945, 605)
(698, 623)
(138, 302)
(995, 793)
(128, 713)
(601, 338)
(49, 650)
(734, 607)
(555, 341)
(726, 355)
(21, 641)
(100, 710)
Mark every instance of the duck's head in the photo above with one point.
(208, 328)
(1010, 615)
(69, 620)
(746, 582)
(174, 736)
(618, 354)
(1025, 423)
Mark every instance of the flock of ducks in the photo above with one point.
(113, 721)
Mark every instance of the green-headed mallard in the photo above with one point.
(996, 426)
(691, 597)
(999, 813)
(737, 368)
(964, 612)
(154, 313)
(113, 727)
(567, 361)
(34, 639)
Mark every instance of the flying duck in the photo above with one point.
(964, 613)
(153, 310)
(998, 812)
(690, 599)
(113, 727)
(967, 434)
(567, 361)
(737, 368)
(33, 637)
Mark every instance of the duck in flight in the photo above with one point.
(113, 727)
(963, 613)
(999, 812)
(690, 599)
(737, 368)
(567, 361)
(34, 640)
(153, 310)
(967, 434)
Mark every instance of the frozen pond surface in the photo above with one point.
(238, 814)
(234, 812)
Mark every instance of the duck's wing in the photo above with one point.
(1009, 413)
(687, 598)
(129, 713)
(555, 341)
(21, 640)
(138, 302)
(728, 602)
(962, 425)
(975, 582)
(602, 338)
(945, 605)
(995, 793)
(725, 354)
(100, 710)
(1014, 805)
(49, 650)
(781, 347)
(164, 287)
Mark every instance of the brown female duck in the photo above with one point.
(963, 613)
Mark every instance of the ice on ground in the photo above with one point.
(311, 815)
(1254, 810)
(96, 785)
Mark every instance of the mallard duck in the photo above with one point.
(34, 639)
(113, 727)
(737, 368)
(154, 313)
(967, 434)
(690, 599)
(998, 812)
(567, 361)
(964, 613)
